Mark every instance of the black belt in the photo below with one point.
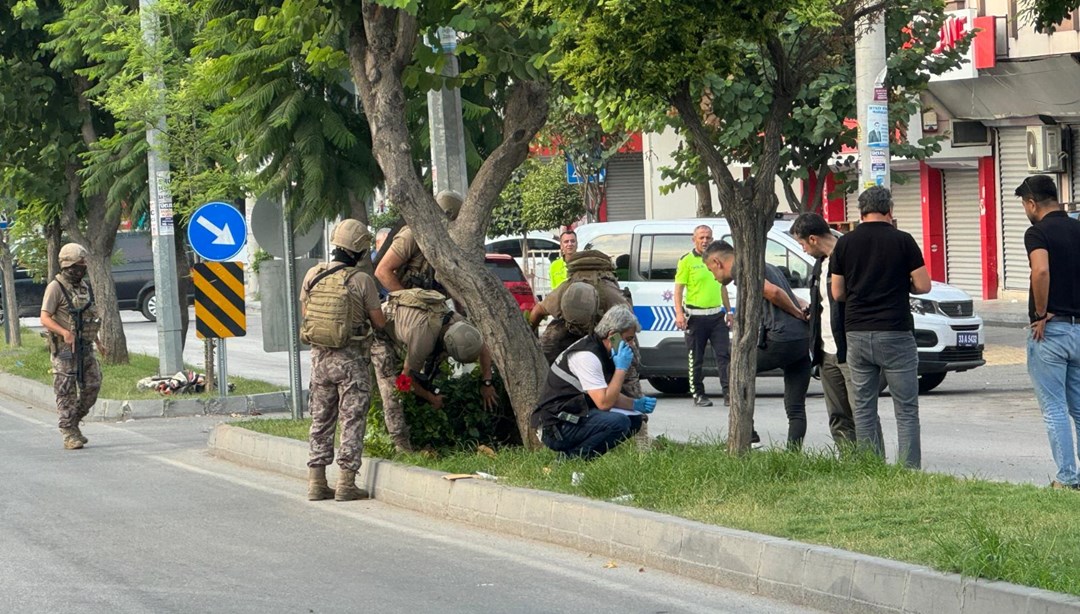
(1070, 319)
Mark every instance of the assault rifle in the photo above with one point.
(80, 343)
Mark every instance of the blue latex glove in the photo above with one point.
(645, 405)
(623, 357)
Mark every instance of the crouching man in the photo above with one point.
(582, 411)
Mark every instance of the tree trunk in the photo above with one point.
(53, 237)
(704, 199)
(11, 301)
(750, 223)
(183, 279)
(111, 339)
(380, 47)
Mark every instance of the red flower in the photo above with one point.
(403, 383)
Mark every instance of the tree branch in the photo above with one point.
(525, 115)
(701, 141)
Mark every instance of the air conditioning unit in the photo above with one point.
(1044, 149)
(969, 134)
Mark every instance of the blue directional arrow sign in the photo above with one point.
(217, 232)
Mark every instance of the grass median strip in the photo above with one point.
(1017, 533)
(118, 381)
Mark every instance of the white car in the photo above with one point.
(645, 253)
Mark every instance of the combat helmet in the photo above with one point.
(350, 234)
(580, 306)
(71, 254)
(463, 342)
(450, 202)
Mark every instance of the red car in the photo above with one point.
(506, 269)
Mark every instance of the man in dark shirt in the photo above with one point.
(874, 270)
(784, 337)
(1053, 247)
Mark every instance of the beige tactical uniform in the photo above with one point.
(73, 402)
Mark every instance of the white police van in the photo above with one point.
(645, 253)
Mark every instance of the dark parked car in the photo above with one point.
(133, 276)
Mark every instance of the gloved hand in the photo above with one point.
(645, 405)
(623, 357)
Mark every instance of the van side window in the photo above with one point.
(795, 269)
(660, 255)
(618, 248)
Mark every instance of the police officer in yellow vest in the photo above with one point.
(404, 265)
(69, 315)
(340, 305)
(426, 330)
(567, 248)
(702, 310)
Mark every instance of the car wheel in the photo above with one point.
(149, 306)
(671, 385)
(929, 381)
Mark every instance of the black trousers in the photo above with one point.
(793, 357)
(700, 332)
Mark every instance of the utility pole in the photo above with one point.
(167, 296)
(296, 386)
(873, 102)
(449, 170)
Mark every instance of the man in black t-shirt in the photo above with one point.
(1053, 247)
(874, 269)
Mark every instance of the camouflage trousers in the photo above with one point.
(71, 403)
(387, 368)
(557, 338)
(340, 391)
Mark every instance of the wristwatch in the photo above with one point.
(487, 382)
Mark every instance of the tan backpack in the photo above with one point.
(329, 318)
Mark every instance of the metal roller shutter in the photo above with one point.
(963, 240)
(625, 187)
(907, 204)
(1012, 170)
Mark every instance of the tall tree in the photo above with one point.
(695, 50)
(1048, 14)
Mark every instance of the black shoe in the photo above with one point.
(755, 441)
(701, 400)
(727, 399)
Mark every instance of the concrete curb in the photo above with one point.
(112, 410)
(804, 574)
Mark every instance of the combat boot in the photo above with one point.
(71, 439)
(347, 489)
(318, 489)
(79, 435)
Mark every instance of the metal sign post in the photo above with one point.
(223, 378)
(296, 386)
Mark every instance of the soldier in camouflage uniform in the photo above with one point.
(340, 376)
(68, 298)
(576, 306)
(422, 328)
(404, 266)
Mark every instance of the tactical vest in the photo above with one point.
(80, 305)
(563, 390)
(594, 268)
(418, 274)
(331, 319)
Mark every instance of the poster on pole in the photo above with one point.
(879, 165)
(877, 125)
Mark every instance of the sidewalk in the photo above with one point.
(1006, 312)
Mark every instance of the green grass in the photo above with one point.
(118, 381)
(1016, 533)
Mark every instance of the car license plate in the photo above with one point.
(967, 340)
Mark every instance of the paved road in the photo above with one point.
(142, 520)
(983, 422)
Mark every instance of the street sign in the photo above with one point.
(573, 178)
(267, 225)
(217, 232)
(219, 300)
